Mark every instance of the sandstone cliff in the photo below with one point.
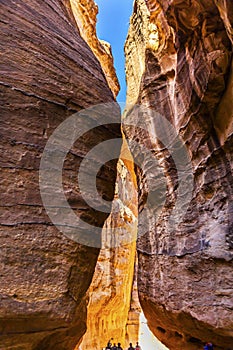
(48, 72)
(179, 63)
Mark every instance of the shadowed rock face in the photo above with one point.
(180, 65)
(48, 72)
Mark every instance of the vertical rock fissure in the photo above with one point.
(110, 313)
(114, 310)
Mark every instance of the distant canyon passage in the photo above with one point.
(178, 65)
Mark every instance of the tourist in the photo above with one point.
(138, 347)
(109, 345)
(130, 347)
(119, 346)
(114, 347)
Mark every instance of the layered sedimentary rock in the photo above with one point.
(85, 13)
(185, 252)
(112, 285)
(48, 72)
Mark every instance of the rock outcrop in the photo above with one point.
(48, 72)
(179, 64)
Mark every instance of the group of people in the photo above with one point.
(118, 346)
(208, 346)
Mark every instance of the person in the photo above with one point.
(138, 347)
(208, 346)
(114, 347)
(130, 347)
(119, 346)
(109, 346)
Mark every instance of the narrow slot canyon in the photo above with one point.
(145, 254)
(114, 312)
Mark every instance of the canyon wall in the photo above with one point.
(179, 67)
(48, 72)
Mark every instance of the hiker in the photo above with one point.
(119, 346)
(114, 347)
(109, 346)
(130, 347)
(208, 346)
(138, 347)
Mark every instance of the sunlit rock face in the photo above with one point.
(85, 13)
(185, 68)
(48, 72)
(110, 294)
(135, 49)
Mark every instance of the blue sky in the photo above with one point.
(112, 26)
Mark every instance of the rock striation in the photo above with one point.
(48, 72)
(179, 65)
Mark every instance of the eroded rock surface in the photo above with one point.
(48, 72)
(183, 57)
